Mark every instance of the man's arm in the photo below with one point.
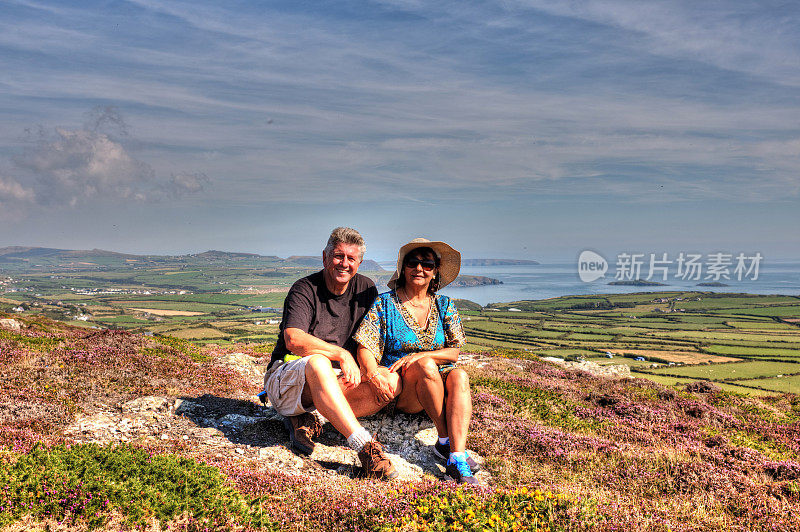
(303, 344)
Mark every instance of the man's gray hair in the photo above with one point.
(346, 235)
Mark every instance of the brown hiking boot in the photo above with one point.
(374, 463)
(302, 429)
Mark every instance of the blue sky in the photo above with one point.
(526, 129)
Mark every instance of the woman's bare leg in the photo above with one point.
(423, 389)
(458, 409)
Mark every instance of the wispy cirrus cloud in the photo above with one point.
(755, 37)
(511, 102)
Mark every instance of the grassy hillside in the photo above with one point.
(566, 450)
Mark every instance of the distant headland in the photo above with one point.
(498, 262)
(636, 282)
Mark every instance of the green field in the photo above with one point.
(747, 329)
(741, 341)
(760, 352)
(762, 325)
(789, 384)
(731, 371)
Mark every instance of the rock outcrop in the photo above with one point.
(11, 324)
(244, 428)
(609, 370)
(225, 427)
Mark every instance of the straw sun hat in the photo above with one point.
(449, 260)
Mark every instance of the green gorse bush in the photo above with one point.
(89, 483)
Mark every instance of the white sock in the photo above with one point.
(358, 439)
(462, 455)
(444, 441)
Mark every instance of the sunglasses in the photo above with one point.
(427, 264)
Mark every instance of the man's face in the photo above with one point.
(342, 263)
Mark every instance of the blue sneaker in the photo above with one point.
(442, 452)
(458, 469)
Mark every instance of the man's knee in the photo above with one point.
(318, 365)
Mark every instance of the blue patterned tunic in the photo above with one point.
(391, 332)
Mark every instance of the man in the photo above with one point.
(313, 364)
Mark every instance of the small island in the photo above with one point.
(714, 283)
(636, 282)
(475, 280)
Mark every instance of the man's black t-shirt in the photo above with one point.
(312, 308)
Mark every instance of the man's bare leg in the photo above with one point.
(323, 391)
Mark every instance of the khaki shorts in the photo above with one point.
(284, 386)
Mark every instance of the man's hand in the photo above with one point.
(351, 374)
(382, 386)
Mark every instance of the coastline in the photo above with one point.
(550, 280)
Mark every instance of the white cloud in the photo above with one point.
(75, 166)
(182, 184)
(85, 164)
(14, 199)
(12, 191)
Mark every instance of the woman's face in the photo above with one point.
(419, 269)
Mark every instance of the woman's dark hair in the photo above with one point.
(420, 252)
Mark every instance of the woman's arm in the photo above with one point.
(366, 361)
(377, 376)
(447, 355)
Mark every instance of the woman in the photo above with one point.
(417, 333)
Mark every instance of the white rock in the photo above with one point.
(147, 404)
(239, 359)
(12, 324)
(611, 370)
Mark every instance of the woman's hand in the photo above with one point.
(401, 364)
(382, 386)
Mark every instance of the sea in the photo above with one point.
(544, 281)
